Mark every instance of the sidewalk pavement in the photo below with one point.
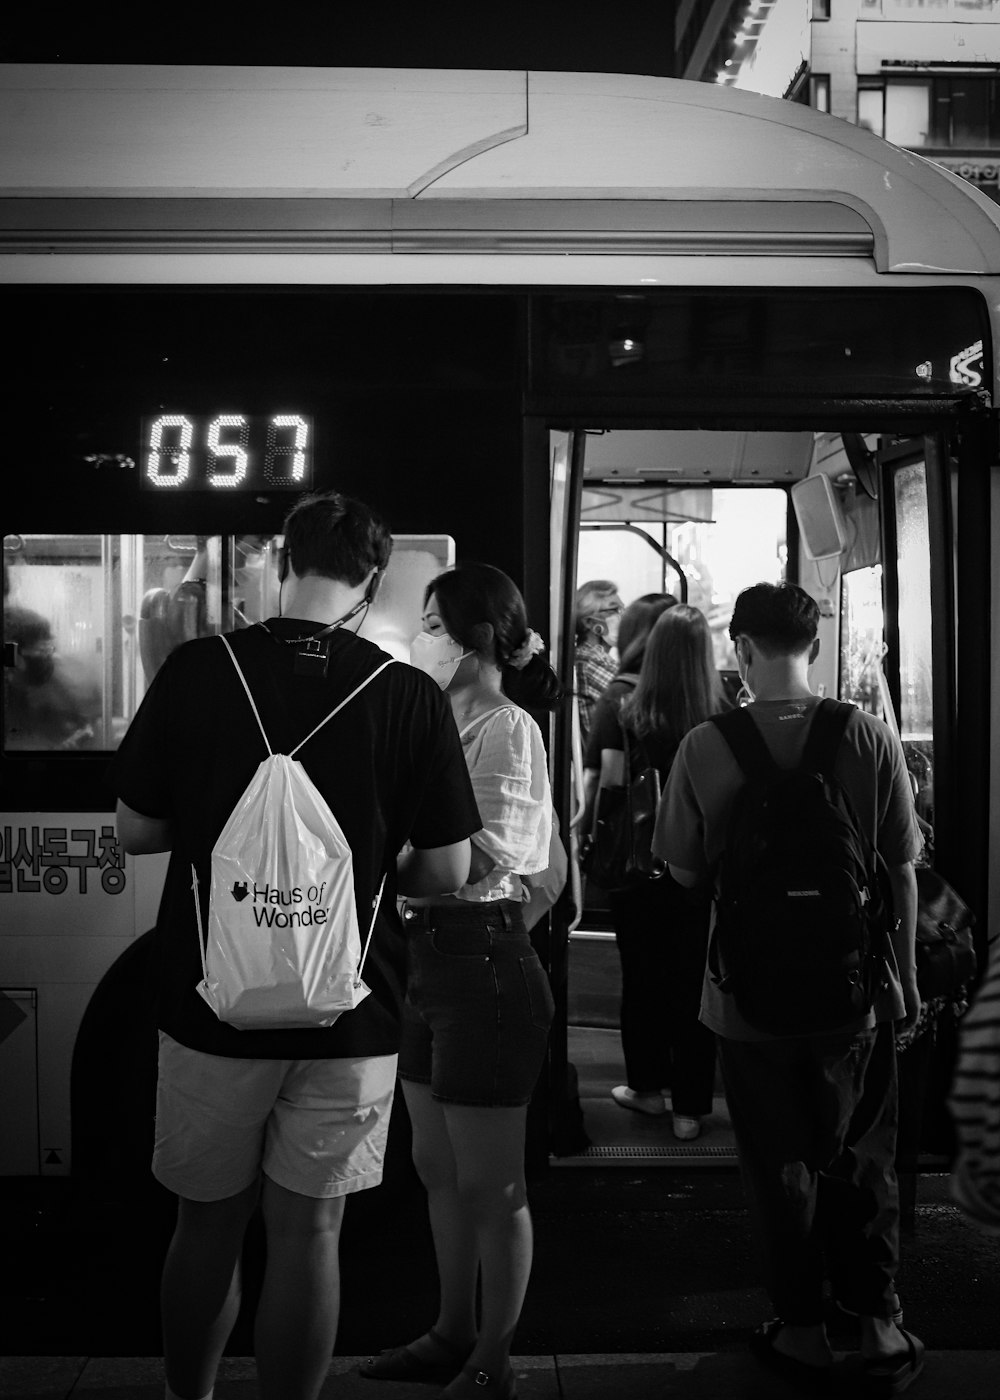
(727, 1375)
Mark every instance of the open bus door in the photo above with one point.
(904, 624)
(564, 1131)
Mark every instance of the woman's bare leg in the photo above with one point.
(456, 1246)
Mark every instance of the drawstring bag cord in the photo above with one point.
(263, 734)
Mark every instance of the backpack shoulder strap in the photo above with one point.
(746, 742)
(825, 734)
(253, 703)
(346, 701)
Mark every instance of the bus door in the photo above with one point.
(634, 507)
(892, 558)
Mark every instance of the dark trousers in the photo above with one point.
(662, 934)
(815, 1122)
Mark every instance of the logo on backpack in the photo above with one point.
(280, 908)
(803, 904)
(283, 946)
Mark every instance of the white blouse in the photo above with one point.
(510, 778)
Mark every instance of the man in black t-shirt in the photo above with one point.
(295, 1117)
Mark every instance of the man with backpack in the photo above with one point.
(800, 813)
(291, 1112)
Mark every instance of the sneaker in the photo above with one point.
(686, 1129)
(651, 1102)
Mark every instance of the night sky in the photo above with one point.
(607, 36)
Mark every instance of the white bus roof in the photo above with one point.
(421, 160)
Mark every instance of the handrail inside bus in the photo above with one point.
(664, 554)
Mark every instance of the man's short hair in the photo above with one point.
(336, 536)
(780, 617)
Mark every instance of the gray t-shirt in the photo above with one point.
(705, 778)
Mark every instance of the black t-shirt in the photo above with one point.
(606, 733)
(390, 765)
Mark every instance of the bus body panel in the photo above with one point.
(402, 184)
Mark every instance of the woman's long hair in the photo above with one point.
(678, 685)
(472, 594)
(636, 625)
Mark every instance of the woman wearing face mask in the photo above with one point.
(478, 1004)
(598, 615)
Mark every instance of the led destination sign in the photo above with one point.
(227, 452)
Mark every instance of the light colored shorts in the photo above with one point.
(316, 1127)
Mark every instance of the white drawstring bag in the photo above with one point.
(283, 949)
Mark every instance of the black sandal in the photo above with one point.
(817, 1379)
(886, 1378)
(402, 1364)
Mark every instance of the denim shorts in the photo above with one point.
(478, 1005)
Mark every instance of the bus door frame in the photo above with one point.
(960, 436)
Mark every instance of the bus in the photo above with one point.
(573, 324)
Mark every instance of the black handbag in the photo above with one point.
(946, 954)
(620, 852)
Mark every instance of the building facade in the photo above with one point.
(925, 74)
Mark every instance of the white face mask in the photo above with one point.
(438, 655)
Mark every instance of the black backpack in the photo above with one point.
(804, 904)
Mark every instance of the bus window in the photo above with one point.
(53, 625)
(913, 570)
(862, 639)
(724, 539)
(89, 619)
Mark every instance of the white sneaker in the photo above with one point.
(651, 1103)
(686, 1129)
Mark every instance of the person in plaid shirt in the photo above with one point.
(598, 613)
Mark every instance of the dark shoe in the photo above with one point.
(896, 1317)
(816, 1379)
(884, 1379)
(402, 1364)
(482, 1385)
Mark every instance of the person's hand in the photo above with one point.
(911, 1000)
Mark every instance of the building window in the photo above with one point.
(943, 11)
(907, 113)
(819, 91)
(936, 112)
(821, 9)
(965, 111)
(871, 113)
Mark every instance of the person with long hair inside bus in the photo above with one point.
(661, 929)
(478, 1004)
(637, 622)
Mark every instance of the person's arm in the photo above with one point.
(141, 835)
(903, 938)
(603, 752)
(678, 837)
(507, 767)
(585, 821)
(434, 870)
(480, 864)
